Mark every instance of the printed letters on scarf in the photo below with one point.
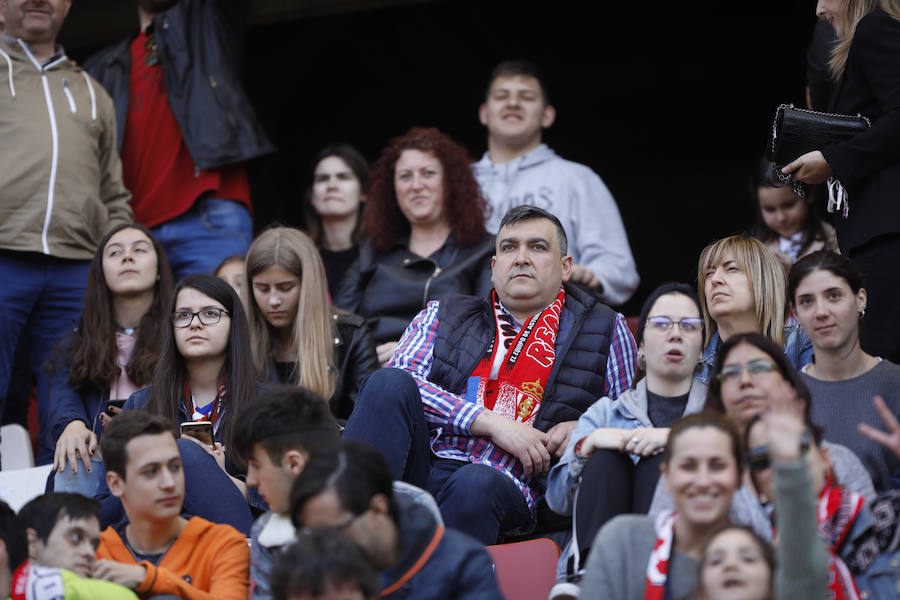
(517, 391)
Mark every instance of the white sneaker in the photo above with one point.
(565, 591)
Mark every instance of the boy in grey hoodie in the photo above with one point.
(518, 169)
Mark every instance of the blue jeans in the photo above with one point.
(41, 298)
(475, 499)
(200, 239)
(82, 482)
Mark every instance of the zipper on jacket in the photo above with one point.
(65, 82)
(54, 137)
(437, 271)
(54, 162)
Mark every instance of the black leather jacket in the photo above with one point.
(389, 289)
(196, 40)
(354, 357)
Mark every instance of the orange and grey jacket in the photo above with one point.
(60, 176)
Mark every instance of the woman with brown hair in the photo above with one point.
(111, 353)
(423, 232)
(332, 208)
(296, 336)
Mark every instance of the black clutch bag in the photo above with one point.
(797, 131)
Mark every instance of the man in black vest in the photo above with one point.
(482, 392)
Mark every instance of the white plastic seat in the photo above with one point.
(18, 486)
(15, 448)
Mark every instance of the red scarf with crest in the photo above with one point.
(658, 565)
(838, 507)
(518, 390)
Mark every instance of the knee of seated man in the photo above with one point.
(476, 485)
(386, 386)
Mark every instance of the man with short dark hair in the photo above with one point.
(518, 169)
(351, 492)
(484, 390)
(186, 127)
(157, 551)
(277, 436)
(61, 188)
(63, 531)
(46, 576)
(323, 566)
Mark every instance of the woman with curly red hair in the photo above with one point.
(423, 235)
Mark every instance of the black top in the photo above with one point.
(336, 264)
(665, 410)
(868, 165)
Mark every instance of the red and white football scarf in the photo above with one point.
(211, 411)
(658, 566)
(517, 391)
(838, 507)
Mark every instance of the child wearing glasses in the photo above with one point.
(203, 374)
(612, 463)
(790, 465)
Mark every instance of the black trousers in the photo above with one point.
(879, 263)
(611, 484)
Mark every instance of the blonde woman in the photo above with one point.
(865, 66)
(743, 289)
(296, 335)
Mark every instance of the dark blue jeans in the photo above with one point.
(475, 499)
(200, 239)
(41, 298)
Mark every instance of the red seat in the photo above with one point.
(525, 570)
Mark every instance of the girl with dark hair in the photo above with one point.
(611, 465)
(111, 353)
(423, 232)
(788, 224)
(642, 556)
(332, 208)
(297, 336)
(203, 373)
(829, 300)
(750, 372)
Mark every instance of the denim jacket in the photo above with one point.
(628, 411)
(797, 347)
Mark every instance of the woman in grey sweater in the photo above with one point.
(635, 556)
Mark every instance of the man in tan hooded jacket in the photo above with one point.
(60, 185)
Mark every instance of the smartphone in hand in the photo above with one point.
(200, 430)
(117, 404)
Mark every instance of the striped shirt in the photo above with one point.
(450, 416)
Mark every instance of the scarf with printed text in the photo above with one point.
(518, 390)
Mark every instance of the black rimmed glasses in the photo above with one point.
(687, 325)
(758, 458)
(732, 373)
(207, 316)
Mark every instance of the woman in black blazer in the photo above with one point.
(866, 68)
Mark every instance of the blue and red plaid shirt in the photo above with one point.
(450, 416)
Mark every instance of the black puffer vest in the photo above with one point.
(465, 331)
